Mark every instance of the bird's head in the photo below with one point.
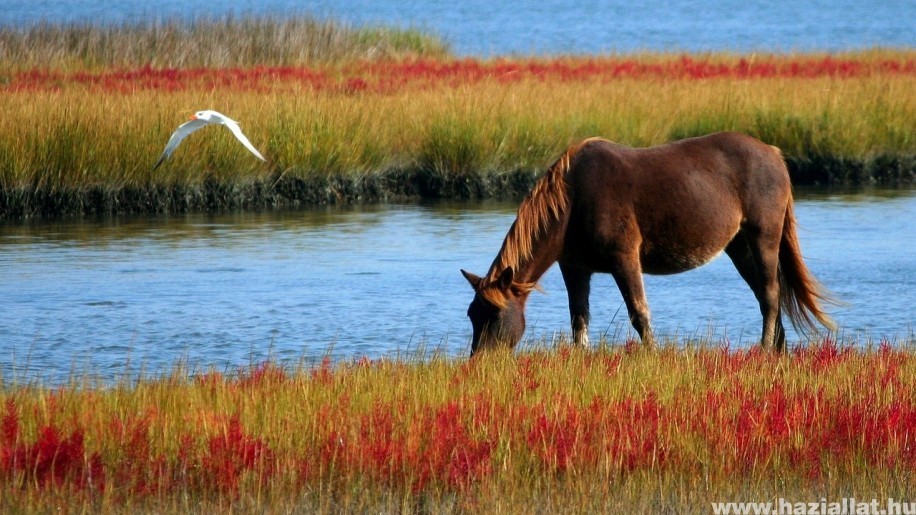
(204, 116)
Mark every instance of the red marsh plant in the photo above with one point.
(393, 76)
(503, 426)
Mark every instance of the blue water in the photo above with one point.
(480, 27)
(120, 295)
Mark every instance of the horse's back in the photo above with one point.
(694, 170)
(721, 152)
(679, 203)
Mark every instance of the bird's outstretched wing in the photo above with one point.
(237, 131)
(180, 133)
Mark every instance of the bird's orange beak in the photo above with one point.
(192, 117)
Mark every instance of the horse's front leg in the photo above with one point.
(578, 283)
(628, 276)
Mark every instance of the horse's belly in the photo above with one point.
(678, 251)
(680, 236)
(676, 260)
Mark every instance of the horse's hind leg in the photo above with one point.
(758, 262)
(578, 284)
(628, 275)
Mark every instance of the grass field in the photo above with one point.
(82, 127)
(208, 43)
(535, 431)
(364, 113)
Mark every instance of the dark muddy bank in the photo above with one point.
(213, 195)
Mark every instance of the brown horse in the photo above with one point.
(604, 207)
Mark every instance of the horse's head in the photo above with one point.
(497, 312)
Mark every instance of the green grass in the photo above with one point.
(209, 42)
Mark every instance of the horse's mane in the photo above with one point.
(546, 202)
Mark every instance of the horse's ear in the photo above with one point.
(472, 279)
(505, 278)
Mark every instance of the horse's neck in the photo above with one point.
(544, 250)
(534, 241)
(537, 266)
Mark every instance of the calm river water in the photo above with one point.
(108, 297)
(482, 27)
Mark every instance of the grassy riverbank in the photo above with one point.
(208, 43)
(381, 114)
(665, 431)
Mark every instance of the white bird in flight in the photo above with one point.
(198, 120)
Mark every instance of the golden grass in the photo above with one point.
(78, 137)
(79, 134)
(598, 430)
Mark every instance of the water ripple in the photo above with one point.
(369, 290)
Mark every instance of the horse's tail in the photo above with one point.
(800, 293)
